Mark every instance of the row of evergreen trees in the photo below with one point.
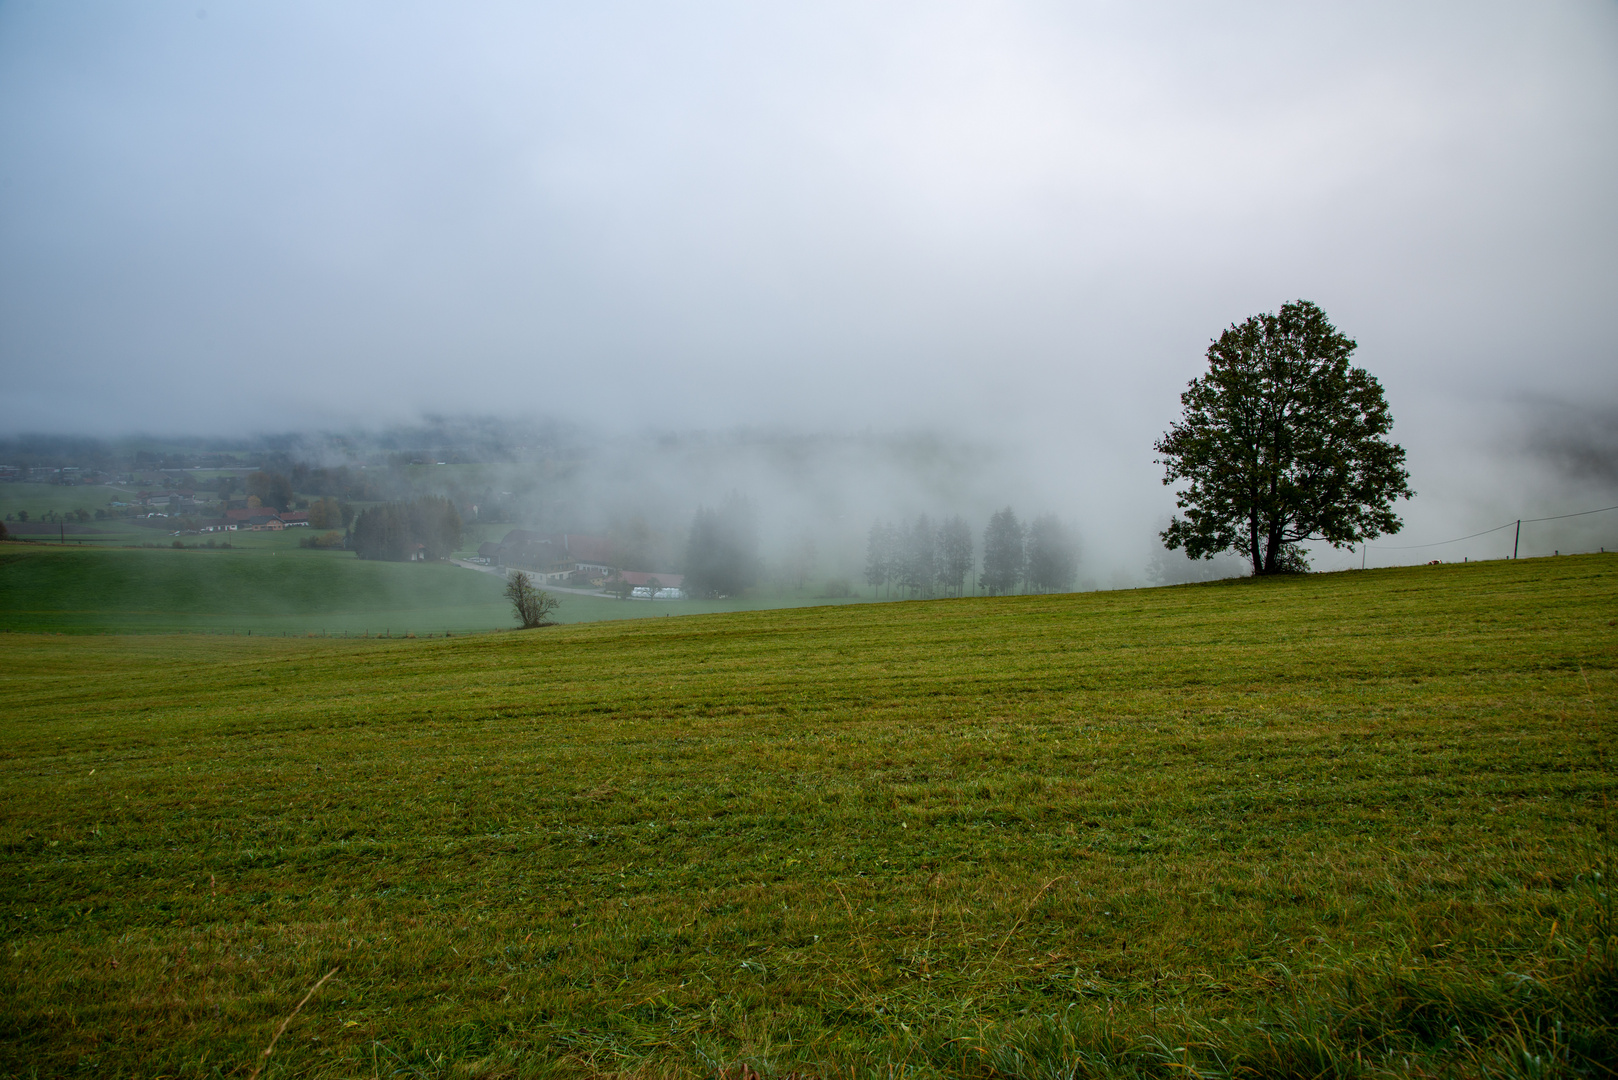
(919, 557)
(922, 559)
(398, 531)
(1042, 556)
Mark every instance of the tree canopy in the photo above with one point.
(1004, 558)
(879, 545)
(396, 532)
(721, 557)
(1053, 555)
(1281, 441)
(532, 606)
(271, 489)
(918, 556)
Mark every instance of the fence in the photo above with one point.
(1516, 539)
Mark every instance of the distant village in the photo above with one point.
(166, 495)
(168, 498)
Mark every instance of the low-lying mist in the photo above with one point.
(814, 496)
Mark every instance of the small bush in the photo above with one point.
(532, 607)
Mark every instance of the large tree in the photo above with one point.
(721, 557)
(271, 489)
(382, 532)
(326, 514)
(918, 559)
(1004, 558)
(1282, 441)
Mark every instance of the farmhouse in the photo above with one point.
(523, 549)
(262, 519)
(552, 557)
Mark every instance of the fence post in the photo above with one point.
(1516, 538)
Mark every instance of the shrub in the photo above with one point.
(532, 606)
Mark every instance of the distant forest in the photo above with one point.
(921, 559)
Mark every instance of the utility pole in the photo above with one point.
(1517, 538)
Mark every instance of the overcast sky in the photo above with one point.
(1023, 221)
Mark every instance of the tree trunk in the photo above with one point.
(1272, 552)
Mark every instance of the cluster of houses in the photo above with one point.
(169, 502)
(579, 560)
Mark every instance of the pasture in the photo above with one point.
(265, 584)
(40, 499)
(1345, 825)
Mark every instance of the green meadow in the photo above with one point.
(39, 499)
(1346, 825)
(265, 584)
(257, 588)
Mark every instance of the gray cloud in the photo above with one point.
(1578, 442)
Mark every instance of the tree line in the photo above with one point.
(399, 531)
(920, 558)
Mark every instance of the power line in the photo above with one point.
(1581, 513)
(1518, 523)
(1440, 543)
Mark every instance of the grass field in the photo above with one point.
(266, 584)
(38, 499)
(268, 588)
(1335, 825)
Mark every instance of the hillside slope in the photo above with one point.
(270, 590)
(1337, 818)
